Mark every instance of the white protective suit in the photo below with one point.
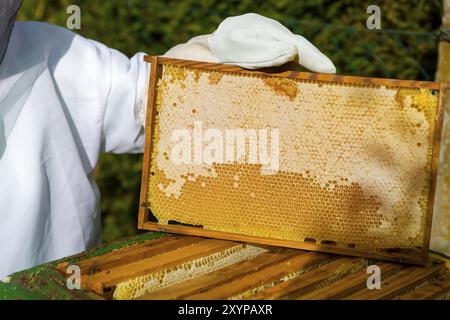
(65, 99)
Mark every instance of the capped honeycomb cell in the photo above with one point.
(292, 159)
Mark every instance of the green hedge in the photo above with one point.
(405, 48)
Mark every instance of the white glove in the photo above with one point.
(252, 41)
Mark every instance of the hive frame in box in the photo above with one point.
(419, 256)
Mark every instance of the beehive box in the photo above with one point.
(155, 265)
(190, 268)
(303, 160)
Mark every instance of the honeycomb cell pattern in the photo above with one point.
(354, 160)
(152, 282)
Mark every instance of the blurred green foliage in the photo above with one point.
(405, 48)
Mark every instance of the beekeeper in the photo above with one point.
(65, 99)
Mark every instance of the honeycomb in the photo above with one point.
(152, 282)
(353, 164)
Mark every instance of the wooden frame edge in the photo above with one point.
(155, 73)
(313, 76)
(200, 232)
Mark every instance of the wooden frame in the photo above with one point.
(414, 256)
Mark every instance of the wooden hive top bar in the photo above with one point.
(320, 162)
(186, 267)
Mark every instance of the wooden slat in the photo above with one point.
(265, 276)
(133, 253)
(403, 281)
(432, 290)
(220, 277)
(108, 278)
(326, 276)
(351, 283)
(306, 282)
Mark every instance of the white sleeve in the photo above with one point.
(102, 89)
(122, 129)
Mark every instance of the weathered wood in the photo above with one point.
(395, 285)
(351, 284)
(48, 282)
(134, 253)
(307, 282)
(278, 273)
(435, 289)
